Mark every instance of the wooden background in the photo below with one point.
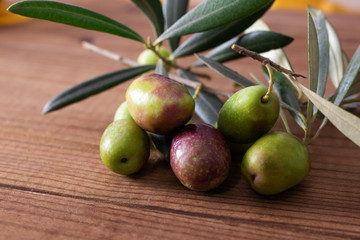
(54, 186)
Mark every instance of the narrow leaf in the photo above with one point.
(348, 78)
(153, 10)
(313, 58)
(173, 10)
(72, 15)
(344, 121)
(259, 41)
(323, 44)
(207, 105)
(160, 68)
(211, 14)
(205, 40)
(226, 72)
(93, 86)
(336, 65)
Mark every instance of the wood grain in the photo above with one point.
(54, 186)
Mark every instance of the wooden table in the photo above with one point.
(54, 186)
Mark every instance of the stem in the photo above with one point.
(173, 64)
(128, 62)
(265, 98)
(258, 57)
(132, 63)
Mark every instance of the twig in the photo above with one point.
(258, 57)
(173, 64)
(132, 63)
(128, 62)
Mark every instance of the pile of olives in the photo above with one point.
(200, 154)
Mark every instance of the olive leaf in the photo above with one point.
(336, 65)
(207, 105)
(173, 10)
(153, 10)
(313, 59)
(210, 14)
(160, 68)
(93, 86)
(348, 79)
(225, 71)
(323, 45)
(259, 41)
(344, 121)
(205, 40)
(72, 15)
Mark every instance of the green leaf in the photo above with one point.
(205, 40)
(207, 105)
(153, 10)
(313, 58)
(344, 121)
(173, 10)
(72, 15)
(226, 72)
(211, 14)
(323, 44)
(287, 95)
(93, 86)
(348, 78)
(160, 68)
(259, 41)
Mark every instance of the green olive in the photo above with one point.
(124, 147)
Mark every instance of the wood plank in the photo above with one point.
(52, 181)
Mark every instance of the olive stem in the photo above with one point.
(173, 64)
(265, 98)
(197, 91)
(128, 62)
(131, 63)
(258, 57)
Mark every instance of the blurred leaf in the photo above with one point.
(93, 86)
(344, 121)
(226, 72)
(348, 79)
(211, 14)
(323, 43)
(355, 89)
(336, 65)
(313, 58)
(287, 95)
(72, 15)
(153, 10)
(162, 143)
(207, 105)
(205, 40)
(173, 10)
(259, 41)
(160, 68)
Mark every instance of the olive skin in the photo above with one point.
(200, 157)
(275, 162)
(245, 117)
(159, 104)
(122, 112)
(124, 147)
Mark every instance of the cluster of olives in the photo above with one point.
(200, 154)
